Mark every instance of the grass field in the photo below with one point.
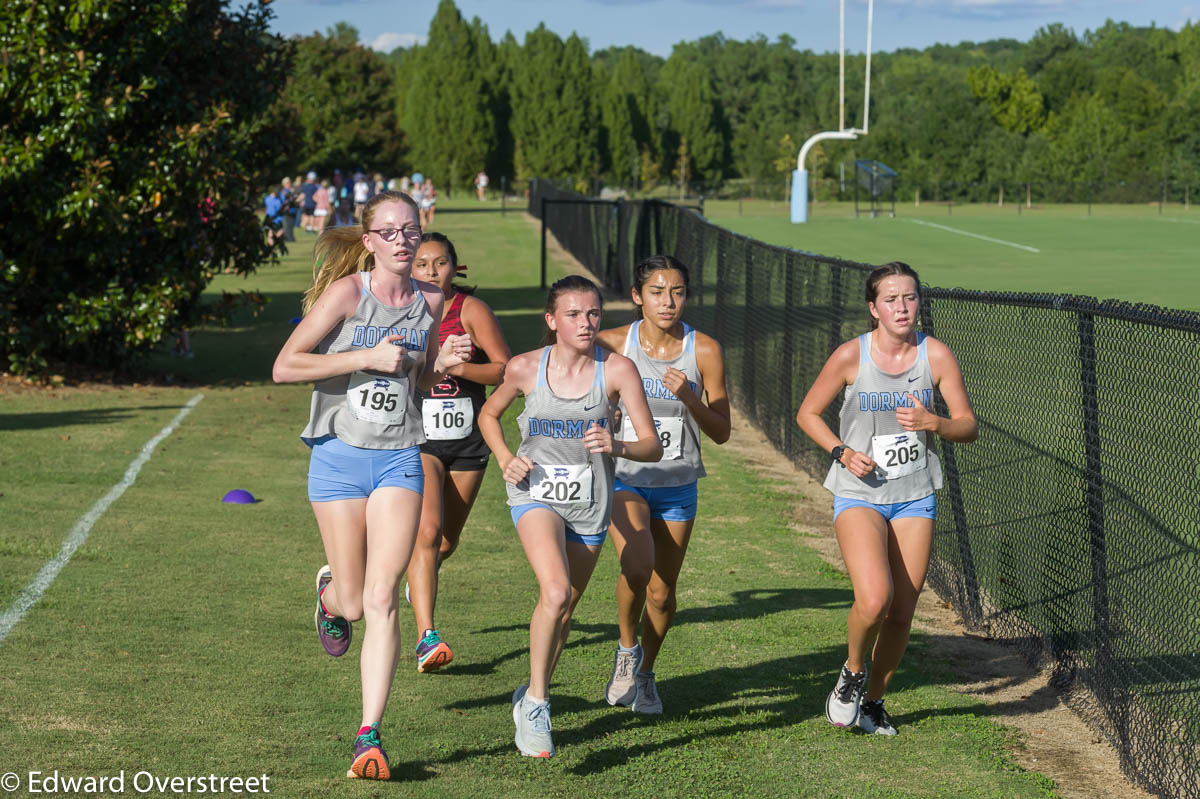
(1124, 252)
(179, 639)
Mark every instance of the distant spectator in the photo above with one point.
(309, 202)
(481, 184)
(274, 216)
(321, 209)
(288, 199)
(405, 184)
(362, 193)
(427, 202)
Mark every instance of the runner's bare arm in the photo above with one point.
(483, 328)
(298, 361)
(623, 380)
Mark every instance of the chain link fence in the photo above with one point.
(1071, 530)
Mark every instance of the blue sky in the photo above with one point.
(655, 25)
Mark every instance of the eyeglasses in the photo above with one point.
(388, 233)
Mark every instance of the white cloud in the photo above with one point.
(387, 42)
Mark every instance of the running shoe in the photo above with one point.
(370, 761)
(432, 652)
(533, 725)
(622, 687)
(334, 631)
(647, 700)
(841, 708)
(873, 719)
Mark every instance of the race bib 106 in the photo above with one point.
(899, 454)
(561, 484)
(377, 398)
(670, 434)
(447, 419)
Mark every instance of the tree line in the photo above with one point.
(1114, 104)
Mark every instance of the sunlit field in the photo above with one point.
(1125, 252)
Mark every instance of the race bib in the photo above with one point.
(377, 398)
(670, 434)
(899, 454)
(559, 484)
(447, 419)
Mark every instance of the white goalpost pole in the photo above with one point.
(799, 199)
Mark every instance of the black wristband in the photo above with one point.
(837, 454)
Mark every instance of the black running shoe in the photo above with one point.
(873, 719)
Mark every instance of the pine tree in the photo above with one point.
(449, 120)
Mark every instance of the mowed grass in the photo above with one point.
(1125, 252)
(179, 640)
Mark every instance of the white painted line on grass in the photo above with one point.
(1180, 221)
(975, 235)
(33, 592)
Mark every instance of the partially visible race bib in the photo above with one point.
(447, 419)
(899, 454)
(377, 398)
(561, 484)
(670, 434)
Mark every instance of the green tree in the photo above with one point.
(341, 95)
(1013, 98)
(553, 114)
(449, 120)
(120, 124)
(694, 115)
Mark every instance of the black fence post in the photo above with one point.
(749, 368)
(835, 307)
(543, 209)
(503, 194)
(968, 601)
(788, 370)
(1097, 546)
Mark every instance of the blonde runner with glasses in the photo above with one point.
(365, 342)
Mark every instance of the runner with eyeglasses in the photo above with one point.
(365, 342)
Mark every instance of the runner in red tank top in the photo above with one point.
(454, 454)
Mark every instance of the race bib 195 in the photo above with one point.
(561, 484)
(670, 434)
(377, 398)
(447, 419)
(899, 454)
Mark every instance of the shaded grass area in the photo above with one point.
(179, 640)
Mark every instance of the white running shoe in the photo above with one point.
(647, 699)
(533, 725)
(873, 719)
(841, 707)
(622, 687)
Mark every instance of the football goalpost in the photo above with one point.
(800, 175)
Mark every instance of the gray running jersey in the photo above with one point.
(868, 424)
(374, 410)
(574, 482)
(677, 430)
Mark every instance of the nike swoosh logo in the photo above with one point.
(913, 379)
(586, 409)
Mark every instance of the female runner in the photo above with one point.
(364, 341)
(454, 455)
(654, 504)
(560, 481)
(884, 472)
